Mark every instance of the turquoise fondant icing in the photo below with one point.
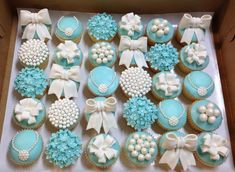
(31, 82)
(172, 114)
(101, 77)
(25, 140)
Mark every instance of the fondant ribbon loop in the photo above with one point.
(28, 109)
(101, 114)
(194, 25)
(197, 54)
(102, 148)
(179, 149)
(215, 145)
(35, 23)
(64, 81)
(133, 49)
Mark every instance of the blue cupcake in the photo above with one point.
(25, 147)
(159, 31)
(69, 28)
(162, 57)
(31, 82)
(140, 113)
(102, 54)
(172, 114)
(63, 149)
(198, 85)
(103, 150)
(102, 27)
(141, 148)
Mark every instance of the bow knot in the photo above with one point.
(100, 106)
(181, 143)
(196, 22)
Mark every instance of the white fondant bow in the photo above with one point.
(130, 22)
(101, 114)
(179, 149)
(68, 50)
(102, 148)
(194, 25)
(28, 109)
(35, 23)
(133, 49)
(215, 145)
(197, 53)
(168, 82)
(64, 80)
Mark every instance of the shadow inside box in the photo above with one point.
(122, 123)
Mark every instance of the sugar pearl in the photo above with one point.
(151, 151)
(216, 112)
(149, 138)
(137, 147)
(210, 105)
(134, 153)
(152, 144)
(130, 147)
(203, 117)
(139, 141)
(136, 136)
(132, 141)
(143, 136)
(143, 151)
(156, 21)
(147, 157)
(211, 119)
(141, 157)
(202, 109)
(166, 30)
(154, 28)
(160, 33)
(99, 61)
(209, 112)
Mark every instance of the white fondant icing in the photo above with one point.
(160, 27)
(196, 53)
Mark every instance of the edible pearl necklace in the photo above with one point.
(160, 27)
(173, 120)
(202, 91)
(67, 31)
(24, 154)
(102, 88)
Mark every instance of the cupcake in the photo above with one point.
(102, 54)
(102, 27)
(68, 54)
(64, 82)
(162, 57)
(193, 57)
(192, 29)
(25, 147)
(166, 85)
(102, 150)
(204, 115)
(29, 113)
(177, 149)
(100, 113)
(212, 149)
(131, 26)
(64, 113)
(198, 85)
(34, 53)
(141, 149)
(100, 85)
(35, 25)
(69, 28)
(159, 31)
(135, 82)
(172, 114)
(132, 52)
(140, 113)
(31, 82)
(63, 148)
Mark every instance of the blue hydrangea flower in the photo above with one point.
(31, 82)
(140, 113)
(63, 148)
(162, 57)
(102, 26)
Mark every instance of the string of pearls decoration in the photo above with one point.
(33, 52)
(160, 27)
(64, 113)
(141, 146)
(208, 113)
(135, 81)
(102, 52)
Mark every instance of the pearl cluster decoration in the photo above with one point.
(135, 82)
(142, 146)
(64, 113)
(208, 113)
(160, 27)
(33, 52)
(102, 52)
(23, 155)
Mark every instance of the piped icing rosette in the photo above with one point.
(140, 113)
(64, 113)
(63, 148)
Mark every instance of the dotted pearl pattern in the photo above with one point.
(135, 82)
(102, 52)
(160, 27)
(64, 113)
(33, 52)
